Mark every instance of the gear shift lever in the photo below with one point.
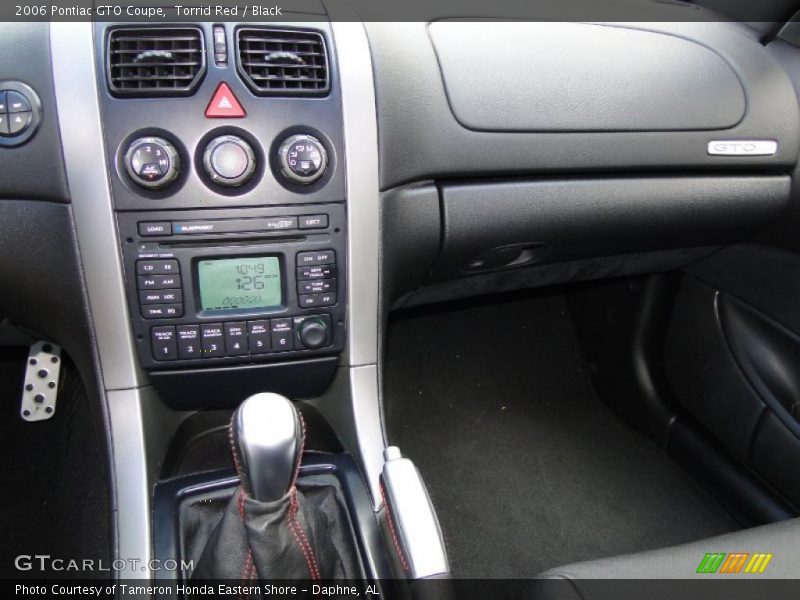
(268, 435)
(274, 525)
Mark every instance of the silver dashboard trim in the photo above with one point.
(363, 244)
(133, 490)
(363, 189)
(742, 147)
(368, 426)
(75, 81)
(73, 57)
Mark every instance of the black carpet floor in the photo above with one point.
(526, 468)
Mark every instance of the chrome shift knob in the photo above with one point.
(268, 437)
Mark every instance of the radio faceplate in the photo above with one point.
(212, 287)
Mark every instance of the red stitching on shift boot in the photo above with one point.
(292, 525)
(245, 572)
(241, 504)
(303, 534)
(393, 532)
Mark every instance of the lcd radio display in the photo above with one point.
(239, 283)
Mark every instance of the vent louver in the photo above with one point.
(163, 61)
(277, 62)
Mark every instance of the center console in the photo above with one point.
(224, 145)
(225, 189)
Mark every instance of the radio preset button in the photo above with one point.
(321, 257)
(314, 222)
(236, 339)
(213, 340)
(163, 343)
(321, 272)
(258, 336)
(157, 267)
(188, 341)
(158, 282)
(282, 335)
(161, 297)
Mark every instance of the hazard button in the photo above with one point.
(224, 104)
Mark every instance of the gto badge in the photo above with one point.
(743, 147)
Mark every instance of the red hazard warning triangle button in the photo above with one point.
(224, 104)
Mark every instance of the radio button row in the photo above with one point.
(157, 267)
(163, 343)
(158, 282)
(161, 297)
(213, 340)
(236, 339)
(240, 338)
(321, 257)
(162, 311)
(188, 341)
(320, 272)
(282, 335)
(258, 336)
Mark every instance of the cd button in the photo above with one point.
(156, 267)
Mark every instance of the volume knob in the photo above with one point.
(313, 333)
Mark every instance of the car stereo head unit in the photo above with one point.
(210, 287)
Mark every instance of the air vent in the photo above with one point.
(163, 61)
(276, 62)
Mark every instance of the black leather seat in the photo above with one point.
(781, 540)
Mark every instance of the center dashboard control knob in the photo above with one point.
(152, 162)
(303, 159)
(313, 333)
(229, 160)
